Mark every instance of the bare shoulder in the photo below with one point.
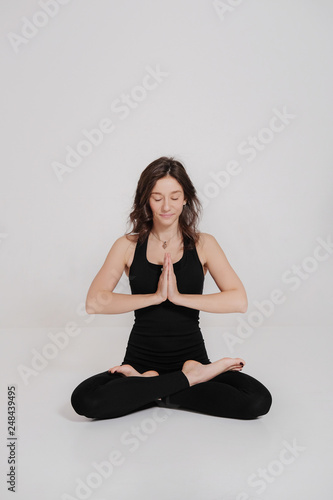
(126, 241)
(205, 237)
(209, 249)
(113, 267)
(133, 238)
(116, 262)
(207, 242)
(120, 249)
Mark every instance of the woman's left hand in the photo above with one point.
(173, 293)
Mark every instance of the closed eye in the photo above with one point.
(174, 199)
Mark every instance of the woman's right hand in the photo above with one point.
(162, 287)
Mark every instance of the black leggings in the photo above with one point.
(231, 394)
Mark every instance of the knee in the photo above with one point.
(260, 404)
(82, 404)
(90, 406)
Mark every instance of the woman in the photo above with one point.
(166, 259)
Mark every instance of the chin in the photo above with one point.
(169, 220)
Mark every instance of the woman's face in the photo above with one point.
(166, 200)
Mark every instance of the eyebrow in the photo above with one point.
(172, 192)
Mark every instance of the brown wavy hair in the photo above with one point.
(141, 216)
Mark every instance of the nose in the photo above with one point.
(165, 205)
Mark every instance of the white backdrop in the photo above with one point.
(240, 94)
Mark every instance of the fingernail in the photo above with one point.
(242, 364)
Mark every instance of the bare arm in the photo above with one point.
(101, 299)
(231, 298)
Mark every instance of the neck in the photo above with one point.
(166, 234)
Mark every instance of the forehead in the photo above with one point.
(168, 185)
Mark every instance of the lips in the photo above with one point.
(166, 216)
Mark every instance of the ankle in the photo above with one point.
(191, 378)
(188, 378)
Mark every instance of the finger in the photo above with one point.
(170, 264)
(163, 266)
(167, 266)
(166, 262)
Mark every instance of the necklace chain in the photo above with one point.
(165, 242)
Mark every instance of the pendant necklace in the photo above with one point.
(165, 242)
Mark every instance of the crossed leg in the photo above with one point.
(110, 395)
(214, 389)
(230, 394)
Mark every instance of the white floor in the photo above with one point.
(170, 455)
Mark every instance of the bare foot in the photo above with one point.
(129, 371)
(197, 372)
(150, 373)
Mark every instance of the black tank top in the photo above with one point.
(164, 336)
